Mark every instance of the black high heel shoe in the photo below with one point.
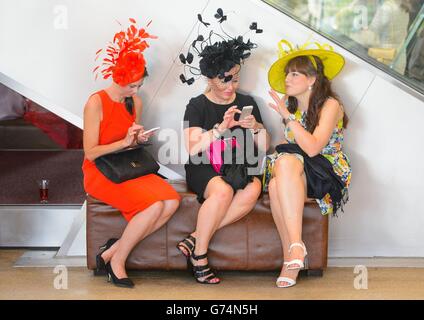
(204, 272)
(100, 263)
(124, 282)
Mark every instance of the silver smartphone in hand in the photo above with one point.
(245, 112)
(151, 130)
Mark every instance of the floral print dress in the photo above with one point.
(332, 151)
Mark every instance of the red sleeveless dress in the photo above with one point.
(132, 196)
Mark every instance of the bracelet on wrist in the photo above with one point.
(216, 128)
(291, 117)
(217, 136)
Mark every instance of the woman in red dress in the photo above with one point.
(112, 122)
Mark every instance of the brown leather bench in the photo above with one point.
(251, 243)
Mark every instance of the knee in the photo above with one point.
(170, 207)
(158, 206)
(288, 165)
(174, 204)
(224, 193)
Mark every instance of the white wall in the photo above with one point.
(383, 217)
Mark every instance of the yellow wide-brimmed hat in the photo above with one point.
(333, 62)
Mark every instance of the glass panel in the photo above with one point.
(34, 145)
(386, 33)
(27, 125)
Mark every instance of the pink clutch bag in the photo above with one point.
(215, 151)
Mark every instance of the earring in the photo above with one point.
(310, 88)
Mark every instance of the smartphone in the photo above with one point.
(245, 112)
(151, 130)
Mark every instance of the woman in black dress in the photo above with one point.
(229, 195)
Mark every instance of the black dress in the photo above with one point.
(203, 113)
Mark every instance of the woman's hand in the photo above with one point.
(229, 121)
(249, 122)
(279, 105)
(131, 135)
(144, 137)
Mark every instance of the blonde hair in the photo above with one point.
(207, 89)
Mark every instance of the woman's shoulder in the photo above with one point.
(244, 97)
(94, 101)
(196, 104)
(198, 100)
(93, 107)
(333, 105)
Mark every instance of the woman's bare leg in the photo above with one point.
(291, 190)
(218, 195)
(169, 208)
(140, 226)
(277, 214)
(243, 202)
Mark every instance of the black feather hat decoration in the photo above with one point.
(218, 52)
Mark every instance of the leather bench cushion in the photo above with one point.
(251, 243)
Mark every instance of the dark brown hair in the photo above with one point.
(129, 101)
(321, 89)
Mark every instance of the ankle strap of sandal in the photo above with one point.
(199, 257)
(298, 244)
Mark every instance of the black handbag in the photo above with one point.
(127, 164)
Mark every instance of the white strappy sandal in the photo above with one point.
(290, 282)
(299, 262)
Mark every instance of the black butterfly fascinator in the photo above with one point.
(218, 52)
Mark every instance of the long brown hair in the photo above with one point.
(129, 101)
(321, 89)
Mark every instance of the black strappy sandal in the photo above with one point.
(202, 271)
(188, 244)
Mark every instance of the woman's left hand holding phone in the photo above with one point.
(249, 122)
